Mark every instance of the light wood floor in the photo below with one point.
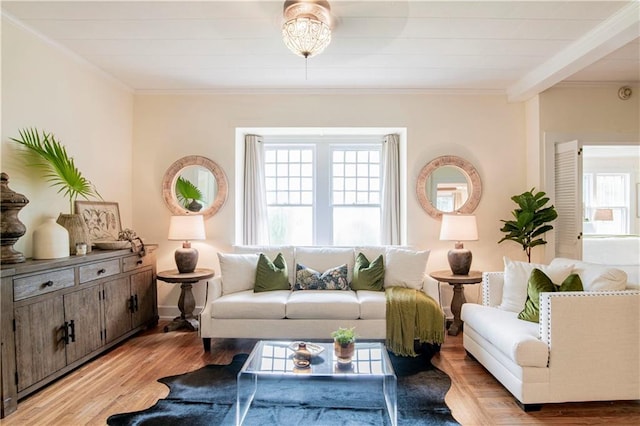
(124, 379)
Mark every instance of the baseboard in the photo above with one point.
(170, 312)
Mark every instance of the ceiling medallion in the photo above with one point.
(307, 27)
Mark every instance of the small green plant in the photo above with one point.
(531, 220)
(344, 336)
(188, 194)
(49, 155)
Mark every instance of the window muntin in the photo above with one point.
(323, 193)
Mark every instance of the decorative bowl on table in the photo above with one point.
(313, 348)
(112, 244)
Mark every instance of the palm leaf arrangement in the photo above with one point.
(49, 155)
(188, 194)
(531, 220)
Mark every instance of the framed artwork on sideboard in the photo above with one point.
(102, 219)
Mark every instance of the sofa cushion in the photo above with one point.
(331, 279)
(538, 283)
(516, 339)
(323, 258)
(272, 252)
(595, 277)
(516, 277)
(404, 267)
(323, 304)
(270, 275)
(238, 271)
(373, 304)
(368, 275)
(250, 305)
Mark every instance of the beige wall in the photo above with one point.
(485, 130)
(91, 114)
(576, 109)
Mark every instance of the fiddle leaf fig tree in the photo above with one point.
(531, 220)
(49, 155)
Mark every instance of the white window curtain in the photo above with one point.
(390, 190)
(256, 230)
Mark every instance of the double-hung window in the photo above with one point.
(323, 192)
(607, 204)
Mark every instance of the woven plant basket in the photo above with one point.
(78, 231)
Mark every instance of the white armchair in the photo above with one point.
(586, 346)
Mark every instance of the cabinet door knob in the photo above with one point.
(48, 284)
(101, 271)
(139, 262)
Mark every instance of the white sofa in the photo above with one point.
(233, 310)
(586, 346)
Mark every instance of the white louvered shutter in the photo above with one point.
(568, 199)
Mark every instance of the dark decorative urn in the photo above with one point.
(11, 229)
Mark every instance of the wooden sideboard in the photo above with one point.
(57, 314)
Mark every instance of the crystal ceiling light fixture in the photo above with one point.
(307, 26)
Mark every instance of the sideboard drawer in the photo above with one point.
(36, 285)
(130, 263)
(98, 270)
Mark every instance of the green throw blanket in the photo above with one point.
(411, 314)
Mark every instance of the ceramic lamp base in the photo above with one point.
(459, 261)
(186, 258)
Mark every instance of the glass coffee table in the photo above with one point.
(271, 360)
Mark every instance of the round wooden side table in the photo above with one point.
(187, 302)
(458, 282)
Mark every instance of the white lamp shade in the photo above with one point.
(186, 228)
(458, 227)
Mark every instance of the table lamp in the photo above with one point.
(186, 228)
(458, 228)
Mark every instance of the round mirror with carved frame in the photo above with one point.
(194, 185)
(448, 184)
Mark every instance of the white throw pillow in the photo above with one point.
(238, 272)
(516, 277)
(404, 267)
(595, 277)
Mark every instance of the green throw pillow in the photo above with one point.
(271, 275)
(538, 283)
(368, 276)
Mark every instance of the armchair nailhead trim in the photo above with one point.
(486, 293)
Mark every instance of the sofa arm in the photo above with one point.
(431, 288)
(593, 333)
(214, 290)
(492, 284)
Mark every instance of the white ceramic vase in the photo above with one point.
(50, 240)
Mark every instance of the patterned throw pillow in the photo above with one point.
(331, 279)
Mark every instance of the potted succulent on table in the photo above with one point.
(58, 168)
(344, 340)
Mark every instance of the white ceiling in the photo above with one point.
(517, 47)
